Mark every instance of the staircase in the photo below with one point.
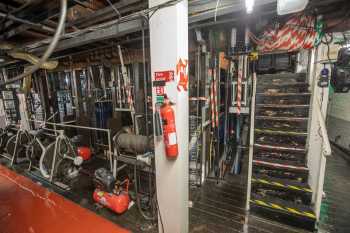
(280, 188)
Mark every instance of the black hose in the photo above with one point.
(138, 202)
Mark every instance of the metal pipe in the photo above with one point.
(49, 50)
(145, 86)
(24, 21)
(251, 143)
(54, 155)
(110, 149)
(16, 144)
(74, 126)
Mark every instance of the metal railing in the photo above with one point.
(327, 151)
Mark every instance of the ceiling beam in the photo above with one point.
(37, 26)
(101, 14)
(51, 10)
(110, 32)
(199, 12)
(119, 29)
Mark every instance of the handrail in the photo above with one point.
(327, 151)
(251, 142)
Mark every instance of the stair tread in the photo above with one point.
(280, 172)
(283, 148)
(284, 164)
(284, 206)
(283, 183)
(265, 157)
(283, 105)
(288, 75)
(272, 226)
(282, 84)
(279, 132)
(279, 94)
(298, 119)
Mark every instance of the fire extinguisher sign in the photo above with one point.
(166, 76)
(160, 80)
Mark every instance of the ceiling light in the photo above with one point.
(285, 7)
(249, 5)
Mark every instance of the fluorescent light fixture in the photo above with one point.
(249, 5)
(285, 7)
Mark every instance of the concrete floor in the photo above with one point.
(335, 211)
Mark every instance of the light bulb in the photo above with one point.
(249, 5)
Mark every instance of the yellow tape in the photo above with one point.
(276, 206)
(286, 209)
(281, 185)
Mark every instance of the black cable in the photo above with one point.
(160, 215)
(166, 4)
(3, 22)
(138, 202)
(327, 42)
(114, 8)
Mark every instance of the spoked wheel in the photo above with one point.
(3, 139)
(10, 146)
(5, 135)
(34, 151)
(45, 163)
(22, 142)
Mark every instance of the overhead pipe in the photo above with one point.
(50, 49)
(24, 21)
(48, 65)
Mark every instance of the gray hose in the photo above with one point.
(49, 50)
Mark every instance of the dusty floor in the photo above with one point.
(216, 207)
(335, 211)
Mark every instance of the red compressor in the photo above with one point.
(84, 152)
(169, 129)
(111, 193)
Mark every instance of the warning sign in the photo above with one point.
(160, 80)
(159, 90)
(181, 70)
(166, 76)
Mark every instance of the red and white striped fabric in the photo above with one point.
(216, 100)
(130, 100)
(213, 101)
(297, 33)
(239, 85)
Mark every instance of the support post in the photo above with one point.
(169, 55)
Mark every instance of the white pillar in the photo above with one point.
(169, 45)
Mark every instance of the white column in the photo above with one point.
(169, 46)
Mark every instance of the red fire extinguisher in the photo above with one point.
(117, 202)
(169, 129)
